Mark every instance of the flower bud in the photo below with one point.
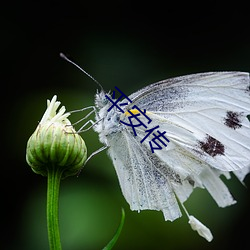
(55, 144)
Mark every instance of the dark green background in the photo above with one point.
(125, 44)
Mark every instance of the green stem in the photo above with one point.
(54, 177)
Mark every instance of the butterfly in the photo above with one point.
(204, 120)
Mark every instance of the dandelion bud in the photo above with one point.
(55, 143)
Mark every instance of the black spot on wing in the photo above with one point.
(233, 119)
(212, 146)
(248, 89)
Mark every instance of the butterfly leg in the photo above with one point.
(81, 129)
(96, 152)
(92, 154)
(86, 116)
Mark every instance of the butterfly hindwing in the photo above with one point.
(145, 182)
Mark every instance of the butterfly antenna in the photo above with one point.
(90, 76)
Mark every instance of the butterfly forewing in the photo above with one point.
(210, 109)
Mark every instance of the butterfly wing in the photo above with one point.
(204, 116)
(142, 184)
(211, 106)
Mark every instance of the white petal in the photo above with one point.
(200, 228)
(50, 110)
(51, 114)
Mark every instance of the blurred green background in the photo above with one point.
(121, 44)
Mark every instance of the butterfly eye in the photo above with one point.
(105, 101)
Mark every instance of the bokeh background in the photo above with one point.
(121, 43)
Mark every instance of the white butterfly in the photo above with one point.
(205, 120)
(207, 134)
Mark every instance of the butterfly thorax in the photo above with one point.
(108, 121)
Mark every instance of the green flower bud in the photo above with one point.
(55, 144)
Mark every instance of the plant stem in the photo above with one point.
(54, 177)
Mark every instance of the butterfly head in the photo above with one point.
(100, 100)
